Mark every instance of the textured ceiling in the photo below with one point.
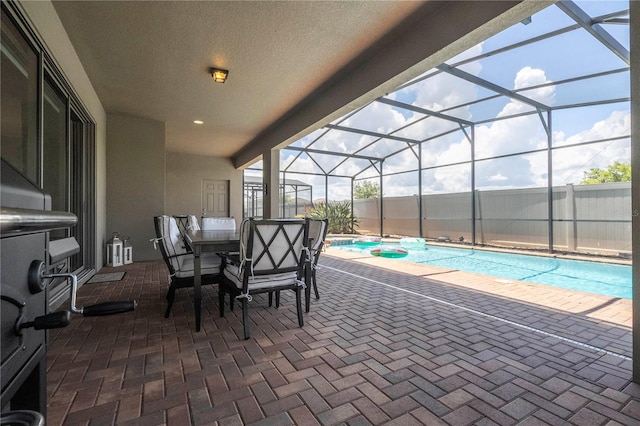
(152, 59)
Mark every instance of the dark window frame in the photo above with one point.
(81, 130)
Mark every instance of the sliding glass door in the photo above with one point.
(48, 138)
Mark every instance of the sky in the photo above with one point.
(567, 56)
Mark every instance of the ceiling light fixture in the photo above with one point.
(219, 75)
(198, 122)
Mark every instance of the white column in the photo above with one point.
(634, 16)
(271, 181)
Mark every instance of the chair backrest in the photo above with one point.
(218, 224)
(192, 223)
(170, 241)
(274, 246)
(317, 233)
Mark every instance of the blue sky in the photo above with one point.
(570, 55)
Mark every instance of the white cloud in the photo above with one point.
(501, 137)
(569, 164)
(617, 124)
(377, 117)
(497, 178)
(528, 77)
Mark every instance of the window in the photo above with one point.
(19, 143)
(54, 148)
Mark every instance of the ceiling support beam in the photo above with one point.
(420, 110)
(332, 153)
(370, 133)
(584, 20)
(271, 183)
(491, 86)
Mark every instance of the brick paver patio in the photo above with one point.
(387, 343)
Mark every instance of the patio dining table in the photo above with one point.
(203, 242)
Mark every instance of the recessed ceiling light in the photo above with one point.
(198, 122)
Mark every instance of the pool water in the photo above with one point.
(592, 277)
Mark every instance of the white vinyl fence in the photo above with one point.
(586, 218)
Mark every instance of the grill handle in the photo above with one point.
(109, 308)
(52, 320)
(15, 221)
(97, 310)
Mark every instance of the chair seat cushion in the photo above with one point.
(209, 265)
(233, 274)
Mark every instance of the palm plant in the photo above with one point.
(341, 220)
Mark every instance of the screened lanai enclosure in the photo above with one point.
(498, 145)
(296, 197)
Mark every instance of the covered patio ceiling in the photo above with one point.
(294, 66)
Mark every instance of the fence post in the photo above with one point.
(570, 214)
(476, 216)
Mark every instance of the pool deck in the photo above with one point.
(388, 342)
(606, 308)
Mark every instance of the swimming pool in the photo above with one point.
(593, 277)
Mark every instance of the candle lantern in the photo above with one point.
(115, 251)
(128, 251)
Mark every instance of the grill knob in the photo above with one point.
(22, 417)
(35, 276)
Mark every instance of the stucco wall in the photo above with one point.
(135, 188)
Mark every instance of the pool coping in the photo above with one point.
(345, 240)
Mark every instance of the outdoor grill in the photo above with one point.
(30, 263)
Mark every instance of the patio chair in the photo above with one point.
(179, 260)
(218, 224)
(192, 223)
(273, 257)
(317, 234)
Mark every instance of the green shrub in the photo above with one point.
(341, 221)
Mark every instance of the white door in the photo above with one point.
(215, 198)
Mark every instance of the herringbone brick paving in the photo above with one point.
(379, 347)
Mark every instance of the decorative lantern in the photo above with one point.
(115, 251)
(128, 250)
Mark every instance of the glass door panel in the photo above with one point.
(55, 153)
(79, 185)
(19, 79)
